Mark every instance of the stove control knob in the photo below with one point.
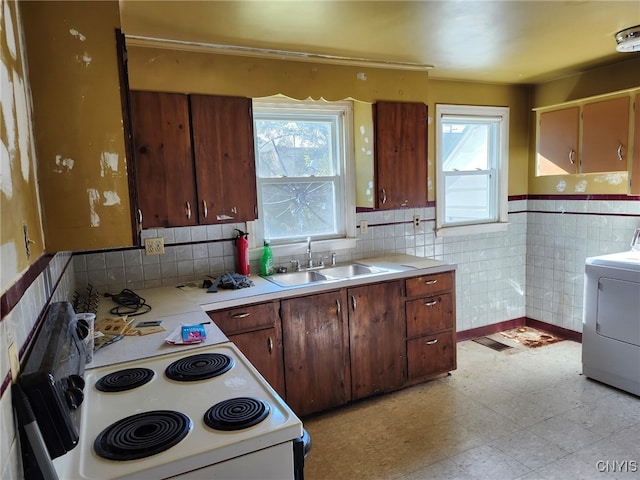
(73, 392)
(74, 396)
(76, 381)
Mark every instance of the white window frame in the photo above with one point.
(347, 198)
(500, 203)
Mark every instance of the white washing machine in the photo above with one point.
(611, 320)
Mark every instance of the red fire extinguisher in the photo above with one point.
(242, 245)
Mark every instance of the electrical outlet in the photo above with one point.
(154, 246)
(364, 227)
(14, 361)
(416, 221)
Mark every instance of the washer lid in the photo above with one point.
(629, 260)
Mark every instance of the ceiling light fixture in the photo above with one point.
(628, 40)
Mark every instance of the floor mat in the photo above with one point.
(491, 343)
(531, 337)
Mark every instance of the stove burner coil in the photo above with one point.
(123, 380)
(236, 413)
(199, 367)
(142, 435)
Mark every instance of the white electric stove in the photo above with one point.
(204, 449)
(197, 413)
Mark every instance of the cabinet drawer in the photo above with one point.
(430, 355)
(245, 319)
(429, 284)
(432, 314)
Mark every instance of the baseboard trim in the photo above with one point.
(518, 322)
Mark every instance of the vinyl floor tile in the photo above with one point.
(521, 413)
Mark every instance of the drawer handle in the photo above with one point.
(431, 282)
(270, 344)
(353, 303)
(205, 210)
(431, 303)
(139, 217)
(240, 315)
(188, 210)
(619, 152)
(339, 307)
(431, 342)
(572, 156)
(384, 196)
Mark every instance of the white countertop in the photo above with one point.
(189, 303)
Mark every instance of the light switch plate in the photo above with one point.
(364, 227)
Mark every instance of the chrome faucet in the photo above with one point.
(309, 259)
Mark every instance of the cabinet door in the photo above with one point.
(635, 164)
(224, 158)
(316, 352)
(558, 142)
(163, 162)
(377, 336)
(263, 348)
(400, 154)
(605, 136)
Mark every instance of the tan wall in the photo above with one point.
(19, 204)
(78, 123)
(613, 78)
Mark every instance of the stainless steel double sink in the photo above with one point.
(325, 274)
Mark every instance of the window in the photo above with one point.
(472, 145)
(304, 158)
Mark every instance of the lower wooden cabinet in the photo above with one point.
(431, 326)
(376, 339)
(315, 339)
(321, 351)
(257, 331)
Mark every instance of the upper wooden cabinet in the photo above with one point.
(224, 158)
(635, 163)
(588, 137)
(184, 182)
(400, 154)
(605, 136)
(558, 146)
(164, 171)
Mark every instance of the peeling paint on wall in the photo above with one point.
(63, 165)
(361, 76)
(94, 199)
(77, 34)
(612, 178)
(85, 58)
(9, 33)
(581, 186)
(561, 186)
(111, 199)
(109, 163)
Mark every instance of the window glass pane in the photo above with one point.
(469, 198)
(468, 145)
(294, 148)
(298, 209)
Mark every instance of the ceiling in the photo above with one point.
(515, 42)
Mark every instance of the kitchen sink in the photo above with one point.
(339, 272)
(350, 270)
(291, 279)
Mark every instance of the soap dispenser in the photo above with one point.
(267, 259)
